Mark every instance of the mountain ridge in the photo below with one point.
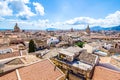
(98, 28)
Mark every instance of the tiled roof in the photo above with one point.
(42, 70)
(8, 55)
(102, 73)
(88, 58)
(10, 76)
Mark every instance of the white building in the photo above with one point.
(107, 46)
(4, 51)
(91, 47)
(52, 41)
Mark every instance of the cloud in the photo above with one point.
(113, 19)
(39, 8)
(76, 23)
(1, 19)
(36, 24)
(4, 9)
(40, 24)
(25, 1)
(108, 21)
(21, 9)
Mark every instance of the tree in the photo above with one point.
(32, 46)
(80, 44)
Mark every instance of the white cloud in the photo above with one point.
(25, 1)
(108, 21)
(17, 8)
(113, 19)
(4, 9)
(1, 18)
(21, 9)
(76, 23)
(36, 24)
(25, 13)
(39, 8)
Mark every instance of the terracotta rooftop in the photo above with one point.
(13, 63)
(102, 73)
(9, 55)
(14, 47)
(42, 70)
(10, 76)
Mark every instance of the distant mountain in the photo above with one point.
(51, 29)
(98, 28)
(116, 28)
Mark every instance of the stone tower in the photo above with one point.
(72, 30)
(88, 30)
(16, 28)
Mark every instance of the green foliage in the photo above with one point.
(80, 44)
(32, 46)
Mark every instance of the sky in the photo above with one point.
(60, 14)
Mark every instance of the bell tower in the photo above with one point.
(88, 30)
